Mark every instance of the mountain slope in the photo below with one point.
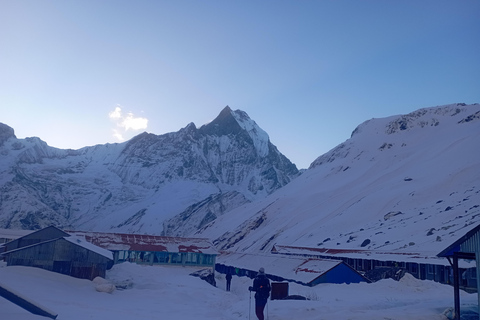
(143, 184)
(409, 182)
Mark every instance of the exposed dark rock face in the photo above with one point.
(6, 133)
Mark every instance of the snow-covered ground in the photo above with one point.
(171, 293)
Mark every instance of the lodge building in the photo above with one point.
(90, 254)
(423, 266)
(154, 250)
(55, 250)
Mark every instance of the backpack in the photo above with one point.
(262, 287)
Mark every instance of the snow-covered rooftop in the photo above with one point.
(75, 240)
(79, 241)
(399, 256)
(142, 242)
(297, 269)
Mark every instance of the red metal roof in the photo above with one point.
(143, 242)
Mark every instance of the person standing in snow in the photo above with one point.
(228, 277)
(261, 286)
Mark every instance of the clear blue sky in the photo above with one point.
(80, 73)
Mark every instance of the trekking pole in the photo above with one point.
(250, 305)
(268, 316)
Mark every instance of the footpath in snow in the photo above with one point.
(171, 293)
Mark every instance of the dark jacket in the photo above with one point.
(261, 286)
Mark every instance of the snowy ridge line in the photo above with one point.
(259, 136)
(413, 191)
(179, 181)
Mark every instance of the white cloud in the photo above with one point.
(126, 122)
(116, 114)
(134, 123)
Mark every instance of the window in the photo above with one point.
(208, 259)
(414, 267)
(177, 258)
(191, 258)
(131, 256)
(430, 269)
(148, 257)
(161, 257)
(122, 255)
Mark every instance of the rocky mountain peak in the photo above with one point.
(239, 124)
(6, 133)
(224, 124)
(405, 183)
(179, 180)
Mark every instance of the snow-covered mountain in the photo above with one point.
(158, 184)
(408, 182)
